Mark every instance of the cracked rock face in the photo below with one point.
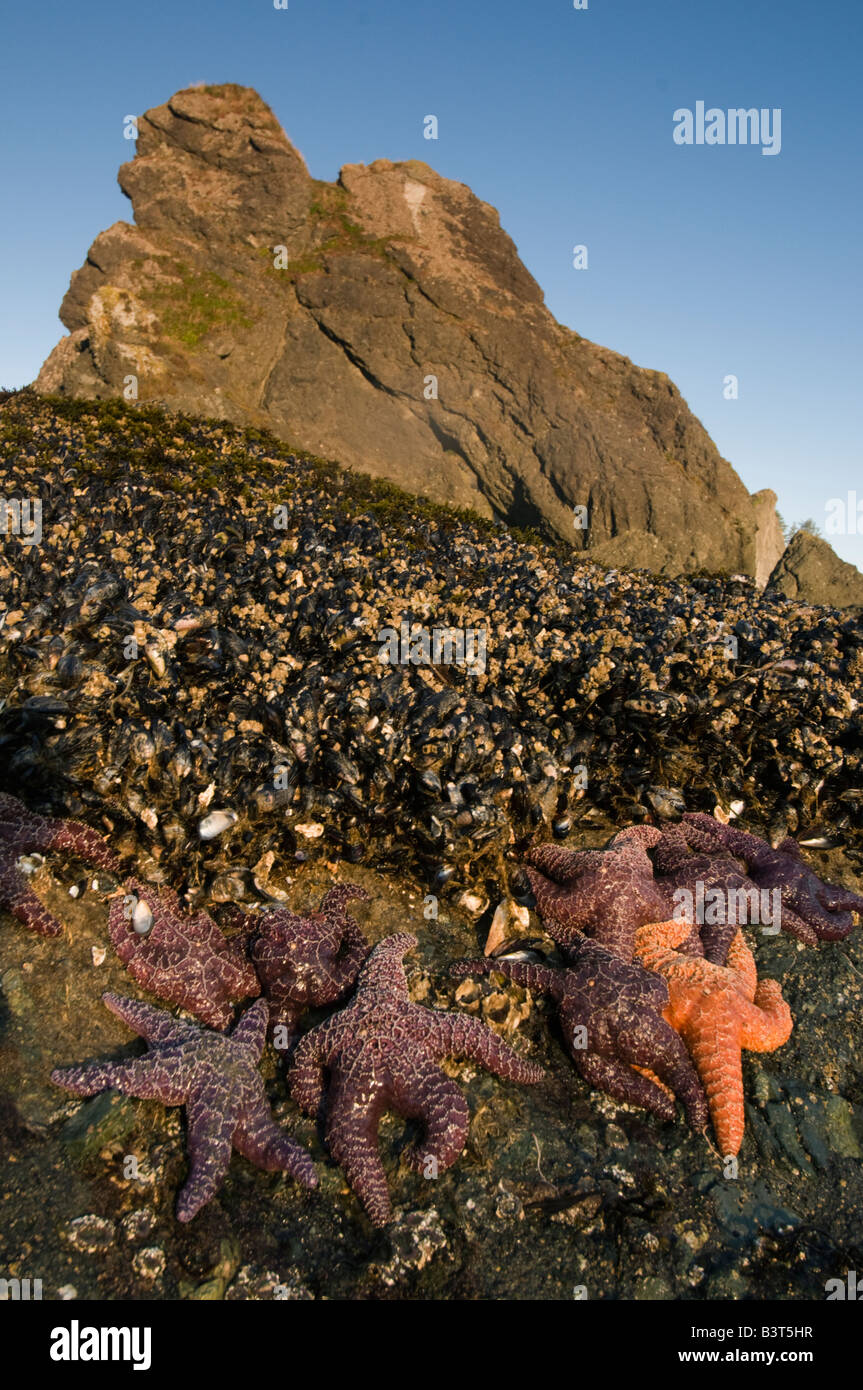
(811, 571)
(386, 321)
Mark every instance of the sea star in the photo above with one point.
(611, 1015)
(306, 961)
(215, 1076)
(183, 958)
(812, 910)
(727, 893)
(24, 832)
(381, 1052)
(717, 1010)
(606, 893)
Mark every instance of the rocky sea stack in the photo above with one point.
(386, 320)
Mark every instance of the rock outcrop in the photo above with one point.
(812, 572)
(386, 321)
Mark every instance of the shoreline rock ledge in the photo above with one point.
(386, 321)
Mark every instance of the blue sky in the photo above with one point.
(703, 260)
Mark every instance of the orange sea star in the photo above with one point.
(718, 1010)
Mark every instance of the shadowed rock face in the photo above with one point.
(810, 570)
(394, 276)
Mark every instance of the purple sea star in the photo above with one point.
(183, 958)
(381, 1052)
(215, 1076)
(308, 961)
(812, 910)
(607, 893)
(679, 868)
(611, 1014)
(24, 832)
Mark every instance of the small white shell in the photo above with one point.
(216, 823)
(156, 659)
(311, 829)
(29, 863)
(473, 904)
(142, 918)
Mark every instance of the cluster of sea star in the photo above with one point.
(652, 1008)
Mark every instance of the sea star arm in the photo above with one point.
(812, 909)
(306, 1079)
(423, 1092)
(654, 941)
(794, 925)
(672, 850)
(458, 1035)
(715, 1051)
(352, 1139)
(259, 1139)
(75, 838)
(384, 970)
(354, 949)
(211, 1124)
(742, 962)
(556, 903)
(653, 1044)
(153, 1024)
(766, 1023)
(624, 1084)
(27, 830)
(564, 865)
(647, 836)
(142, 1077)
(18, 897)
(707, 834)
(837, 899)
(337, 898)
(251, 1029)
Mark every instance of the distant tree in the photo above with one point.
(808, 525)
(791, 530)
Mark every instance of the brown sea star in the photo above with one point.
(717, 1010)
(182, 957)
(611, 1015)
(606, 893)
(381, 1052)
(24, 832)
(812, 910)
(215, 1076)
(305, 962)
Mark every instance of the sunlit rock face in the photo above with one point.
(386, 321)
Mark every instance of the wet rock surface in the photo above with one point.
(559, 1193)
